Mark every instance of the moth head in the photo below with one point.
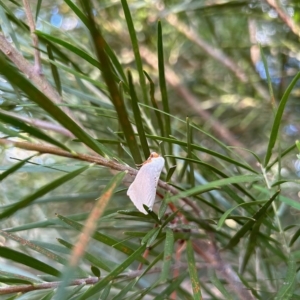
(154, 155)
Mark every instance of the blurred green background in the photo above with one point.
(211, 85)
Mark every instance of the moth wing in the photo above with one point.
(143, 188)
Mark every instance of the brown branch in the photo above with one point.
(39, 81)
(31, 23)
(285, 17)
(99, 160)
(25, 67)
(88, 281)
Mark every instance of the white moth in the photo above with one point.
(143, 188)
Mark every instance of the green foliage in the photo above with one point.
(213, 87)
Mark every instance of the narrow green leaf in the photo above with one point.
(138, 117)
(109, 51)
(294, 238)
(11, 133)
(44, 102)
(73, 291)
(149, 234)
(234, 195)
(31, 130)
(91, 258)
(13, 17)
(54, 70)
(115, 62)
(15, 168)
(134, 213)
(44, 168)
(71, 48)
(127, 128)
(103, 238)
(38, 7)
(247, 150)
(14, 281)
(77, 74)
(189, 152)
(277, 120)
(290, 280)
(220, 286)
(108, 76)
(193, 271)
(33, 225)
(106, 292)
(248, 225)
(253, 290)
(41, 192)
(202, 149)
(173, 285)
(151, 265)
(229, 211)
(15, 275)
(286, 200)
(221, 144)
(170, 173)
(282, 154)
(297, 143)
(251, 245)
(215, 170)
(163, 207)
(134, 233)
(52, 247)
(35, 247)
(154, 104)
(168, 252)
(66, 58)
(268, 76)
(106, 280)
(48, 296)
(169, 219)
(215, 184)
(135, 48)
(152, 238)
(7, 29)
(274, 247)
(78, 12)
(26, 260)
(121, 295)
(152, 214)
(49, 222)
(162, 80)
(65, 279)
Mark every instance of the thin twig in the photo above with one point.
(88, 281)
(39, 81)
(35, 41)
(25, 67)
(99, 160)
(285, 17)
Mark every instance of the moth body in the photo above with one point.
(143, 188)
